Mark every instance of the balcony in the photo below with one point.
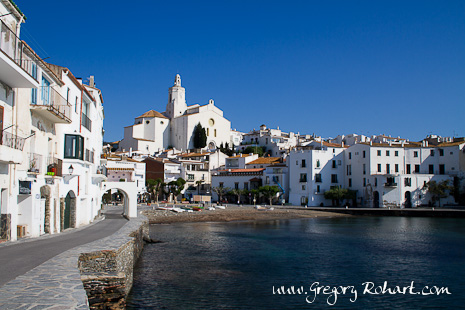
(51, 106)
(101, 174)
(11, 147)
(18, 63)
(390, 182)
(86, 122)
(54, 167)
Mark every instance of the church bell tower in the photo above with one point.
(176, 105)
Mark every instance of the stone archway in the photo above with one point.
(45, 193)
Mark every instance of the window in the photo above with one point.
(408, 182)
(387, 153)
(190, 177)
(396, 168)
(267, 180)
(303, 200)
(376, 182)
(396, 153)
(350, 155)
(236, 185)
(266, 140)
(442, 169)
(318, 178)
(379, 152)
(318, 163)
(333, 178)
(431, 152)
(379, 167)
(303, 187)
(364, 182)
(334, 150)
(364, 154)
(441, 152)
(246, 185)
(76, 105)
(417, 168)
(415, 153)
(74, 147)
(221, 184)
(350, 182)
(334, 164)
(296, 162)
(349, 169)
(388, 168)
(214, 132)
(318, 188)
(407, 167)
(431, 169)
(208, 131)
(303, 163)
(303, 177)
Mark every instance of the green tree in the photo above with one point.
(220, 191)
(154, 187)
(254, 149)
(176, 187)
(200, 137)
(336, 193)
(438, 190)
(269, 192)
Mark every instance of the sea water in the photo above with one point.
(319, 263)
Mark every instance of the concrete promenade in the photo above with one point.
(42, 273)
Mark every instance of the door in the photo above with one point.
(376, 199)
(408, 200)
(67, 215)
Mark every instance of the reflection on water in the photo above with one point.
(235, 265)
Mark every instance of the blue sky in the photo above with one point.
(323, 67)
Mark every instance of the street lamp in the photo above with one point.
(70, 169)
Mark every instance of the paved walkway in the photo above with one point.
(17, 258)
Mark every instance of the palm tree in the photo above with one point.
(236, 192)
(269, 192)
(198, 183)
(220, 191)
(154, 187)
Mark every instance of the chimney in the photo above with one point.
(91, 81)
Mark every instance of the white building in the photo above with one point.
(51, 140)
(276, 142)
(314, 169)
(123, 169)
(394, 175)
(153, 131)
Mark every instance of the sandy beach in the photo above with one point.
(234, 213)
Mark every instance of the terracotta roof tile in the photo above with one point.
(265, 161)
(152, 113)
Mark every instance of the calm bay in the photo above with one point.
(317, 263)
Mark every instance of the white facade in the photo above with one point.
(153, 131)
(276, 142)
(312, 171)
(127, 169)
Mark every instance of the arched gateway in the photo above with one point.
(129, 190)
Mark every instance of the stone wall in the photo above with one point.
(107, 275)
(5, 227)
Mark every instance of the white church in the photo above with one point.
(154, 131)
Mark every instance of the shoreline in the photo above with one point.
(233, 213)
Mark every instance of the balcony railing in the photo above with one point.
(54, 166)
(86, 122)
(102, 170)
(12, 141)
(35, 163)
(54, 103)
(17, 50)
